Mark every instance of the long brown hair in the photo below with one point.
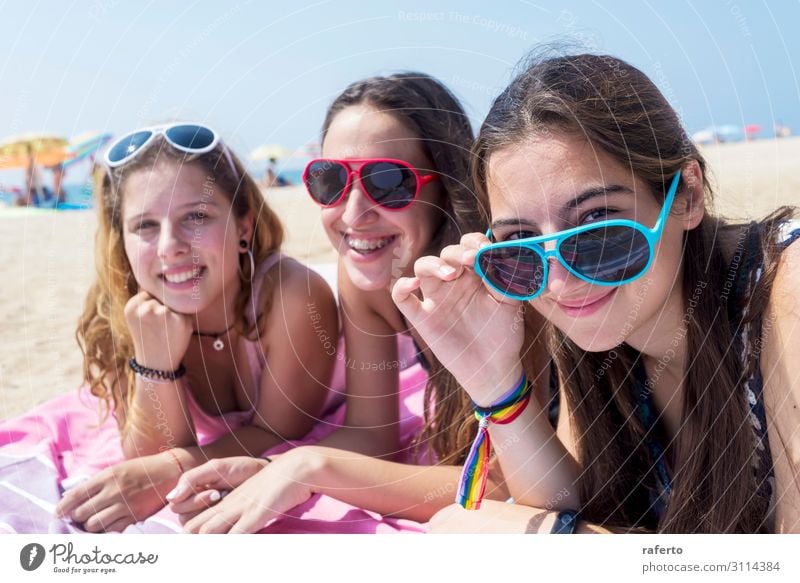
(620, 111)
(102, 331)
(426, 107)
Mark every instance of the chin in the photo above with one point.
(367, 281)
(593, 340)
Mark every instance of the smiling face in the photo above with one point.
(572, 183)
(181, 238)
(376, 245)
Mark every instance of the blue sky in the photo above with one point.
(265, 72)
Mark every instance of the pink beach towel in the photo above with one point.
(62, 439)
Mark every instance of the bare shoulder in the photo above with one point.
(296, 283)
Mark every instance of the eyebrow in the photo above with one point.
(570, 205)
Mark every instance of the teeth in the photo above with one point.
(368, 244)
(183, 276)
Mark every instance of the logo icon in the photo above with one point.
(31, 556)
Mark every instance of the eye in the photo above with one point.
(601, 214)
(145, 225)
(519, 235)
(197, 217)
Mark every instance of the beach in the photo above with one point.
(47, 263)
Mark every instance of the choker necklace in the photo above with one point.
(217, 336)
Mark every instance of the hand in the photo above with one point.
(277, 488)
(202, 486)
(160, 336)
(121, 495)
(476, 334)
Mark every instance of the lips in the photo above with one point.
(182, 274)
(585, 306)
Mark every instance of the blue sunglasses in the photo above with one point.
(608, 253)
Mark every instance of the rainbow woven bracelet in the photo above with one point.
(472, 485)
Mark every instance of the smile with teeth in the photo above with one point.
(364, 246)
(182, 276)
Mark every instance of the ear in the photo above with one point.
(691, 197)
(244, 229)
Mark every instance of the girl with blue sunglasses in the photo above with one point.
(196, 332)
(669, 328)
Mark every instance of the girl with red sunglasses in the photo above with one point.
(673, 332)
(195, 333)
(393, 187)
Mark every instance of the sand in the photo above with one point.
(46, 263)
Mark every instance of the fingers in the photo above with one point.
(463, 254)
(207, 477)
(216, 520)
(195, 504)
(108, 519)
(77, 496)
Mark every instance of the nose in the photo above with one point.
(171, 243)
(557, 277)
(358, 207)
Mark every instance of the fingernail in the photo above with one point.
(172, 493)
(446, 270)
(215, 495)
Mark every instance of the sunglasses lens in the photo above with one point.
(517, 271)
(326, 181)
(391, 185)
(128, 145)
(608, 254)
(190, 137)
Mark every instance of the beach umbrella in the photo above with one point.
(84, 145)
(268, 152)
(750, 130)
(706, 136)
(47, 150)
(728, 132)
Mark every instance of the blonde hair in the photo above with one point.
(102, 331)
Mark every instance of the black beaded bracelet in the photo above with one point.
(155, 374)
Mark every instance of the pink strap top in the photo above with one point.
(210, 427)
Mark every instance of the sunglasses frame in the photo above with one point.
(156, 131)
(421, 179)
(535, 244)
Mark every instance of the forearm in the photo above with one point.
(538, 469)
(388, 488)
(379, 442)
(250, 440)
(163, 421)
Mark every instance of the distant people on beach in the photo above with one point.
(673, 333)
(196, 335)
(405, 194)
(34, 193)
(272, 177)
(781, 130)
(57, 195)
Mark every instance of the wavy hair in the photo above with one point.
(426, 107)
(102, 332)
(620, 111)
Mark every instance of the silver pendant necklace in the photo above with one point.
(218, 344)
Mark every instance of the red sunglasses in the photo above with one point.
(392, 184)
